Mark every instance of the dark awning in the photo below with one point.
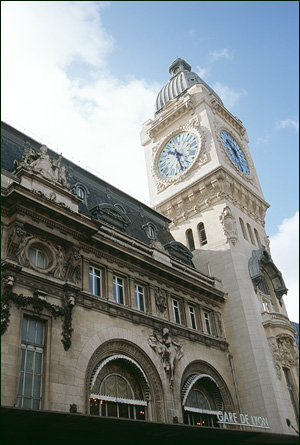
(29, 427)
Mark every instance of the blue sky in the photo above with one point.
(82, 77)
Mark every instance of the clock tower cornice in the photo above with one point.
(217, 186)
(235, 123)
(172, 111)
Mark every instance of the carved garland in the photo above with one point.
(38, 305)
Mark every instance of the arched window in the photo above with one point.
(80, 193)
(257, 238)
(119, 389)
(190, 239)
(243, 229)
(250, 233)
(201, 401)
(202, 234)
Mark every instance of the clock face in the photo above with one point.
(178, 155)
(235, 153)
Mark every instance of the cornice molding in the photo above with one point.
(216, 187)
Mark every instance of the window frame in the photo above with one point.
(116, 287)
(207, 322)
(201, 232)
(29, 346)
(176, 311)
(192, 315)
(93, 277)
(190, 240)
(140, 295)
(37, 251)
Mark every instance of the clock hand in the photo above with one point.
(178, 159)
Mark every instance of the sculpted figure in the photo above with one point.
(169, 350)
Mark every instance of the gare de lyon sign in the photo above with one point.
(242, 420)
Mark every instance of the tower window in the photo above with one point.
(190, 239)
(250, 234)
(202, 234)
(257, 238)
(243, 229)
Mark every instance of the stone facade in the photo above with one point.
(106, 311)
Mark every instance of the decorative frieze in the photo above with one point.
(214, 188)
(38, 303)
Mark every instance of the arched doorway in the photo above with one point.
(119, 388)
(122, 381)
(203, 394)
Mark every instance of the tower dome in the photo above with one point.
(182, 79)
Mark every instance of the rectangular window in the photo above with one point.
(207, 322)
(176, 311)
(118, 290)
(31, 369)
(139, 297)
(95, 281)
(291, 391)
(192, 317)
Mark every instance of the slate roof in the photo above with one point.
(13, 145)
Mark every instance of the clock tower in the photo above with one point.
(201, 175)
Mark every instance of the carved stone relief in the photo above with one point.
(41, 164)
(169, 350)
(161, 300)
(229, 225)
(284, 352)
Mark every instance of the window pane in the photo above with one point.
(31, 331)
(37, 386)
(41, 262)
(26, 403)
(20, 387)
(32, 255)
(36, 404)
(123, 411)
(112, 409)
(38, 362)
(122, 388)
(24, 329)
(29, 361)
(39, 333)
(28, 385)
(22, 359)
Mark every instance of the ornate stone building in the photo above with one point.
(113, 309)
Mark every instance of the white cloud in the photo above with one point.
(294, 123)
(224, 53)
(228, 95)
(93, 118)
(285, 254)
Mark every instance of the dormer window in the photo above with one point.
(150, 230)
(81, 191)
